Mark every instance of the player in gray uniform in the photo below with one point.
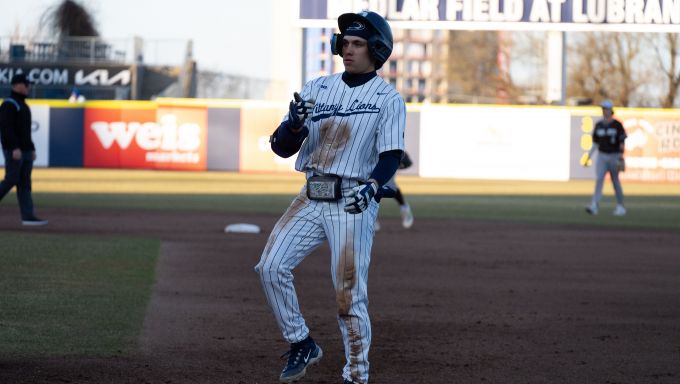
(348, 131)
(609, 141)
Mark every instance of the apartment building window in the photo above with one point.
(415, 50)
(398, 49)
(426, 68)
(413, 67)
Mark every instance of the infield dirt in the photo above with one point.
(450, 302)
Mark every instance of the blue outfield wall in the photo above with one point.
(66, 137)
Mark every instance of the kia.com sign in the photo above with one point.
(70, 75)
(150, 138)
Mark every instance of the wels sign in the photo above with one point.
(153, 138)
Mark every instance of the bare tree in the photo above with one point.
(608, 66)
(473, 68)
(528, 63)
(585, 77)
(668, 56)
(69, 19)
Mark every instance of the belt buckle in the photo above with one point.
(324, 187)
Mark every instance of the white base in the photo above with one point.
(242, 228)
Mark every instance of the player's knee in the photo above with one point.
(11, 179)
(271, 272)
(344, 297)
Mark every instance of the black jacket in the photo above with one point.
(15, 123)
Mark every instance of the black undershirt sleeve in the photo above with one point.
(286, 143)
(387, 166)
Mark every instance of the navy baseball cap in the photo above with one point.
(607, 104)
(21, 78)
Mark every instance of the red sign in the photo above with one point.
(155, 138)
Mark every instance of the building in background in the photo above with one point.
(420, 67)
(99, 68)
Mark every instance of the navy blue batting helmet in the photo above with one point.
(379, 42)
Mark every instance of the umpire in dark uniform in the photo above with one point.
(18, 148)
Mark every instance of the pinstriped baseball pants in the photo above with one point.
(303, 228)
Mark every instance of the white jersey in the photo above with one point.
(349, 127)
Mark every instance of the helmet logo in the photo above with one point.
(356, 26)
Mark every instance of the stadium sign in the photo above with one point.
(69, 75)
(564, 15)
(145, 137)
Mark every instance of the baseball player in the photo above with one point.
(348, 131)
(608, 140)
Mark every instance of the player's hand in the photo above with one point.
(16, 154)
(621, 164)
(360, 197)
(384, 192)
(586, 162)
(299, 109)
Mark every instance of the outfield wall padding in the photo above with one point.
(491, 142)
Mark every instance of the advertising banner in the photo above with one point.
(146, 137)
(497, 143)
(69, 75)
(258, 122)
(581, 140)
(652, 147)
(40, 133)
(40, 127)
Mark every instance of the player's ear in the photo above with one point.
(336, 44)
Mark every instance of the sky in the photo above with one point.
(227, 35)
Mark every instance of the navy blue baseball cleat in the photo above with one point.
(301, 355)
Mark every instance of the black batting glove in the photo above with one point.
(298, 110)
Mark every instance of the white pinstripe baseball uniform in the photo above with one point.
(348, 129)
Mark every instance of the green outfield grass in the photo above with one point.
(73, 295)
(75, 180)
(649, 205)
(661, 212)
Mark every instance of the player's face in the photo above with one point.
(355, 55)
(607, 113)
(21, 88)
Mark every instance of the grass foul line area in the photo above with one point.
(73, 295)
